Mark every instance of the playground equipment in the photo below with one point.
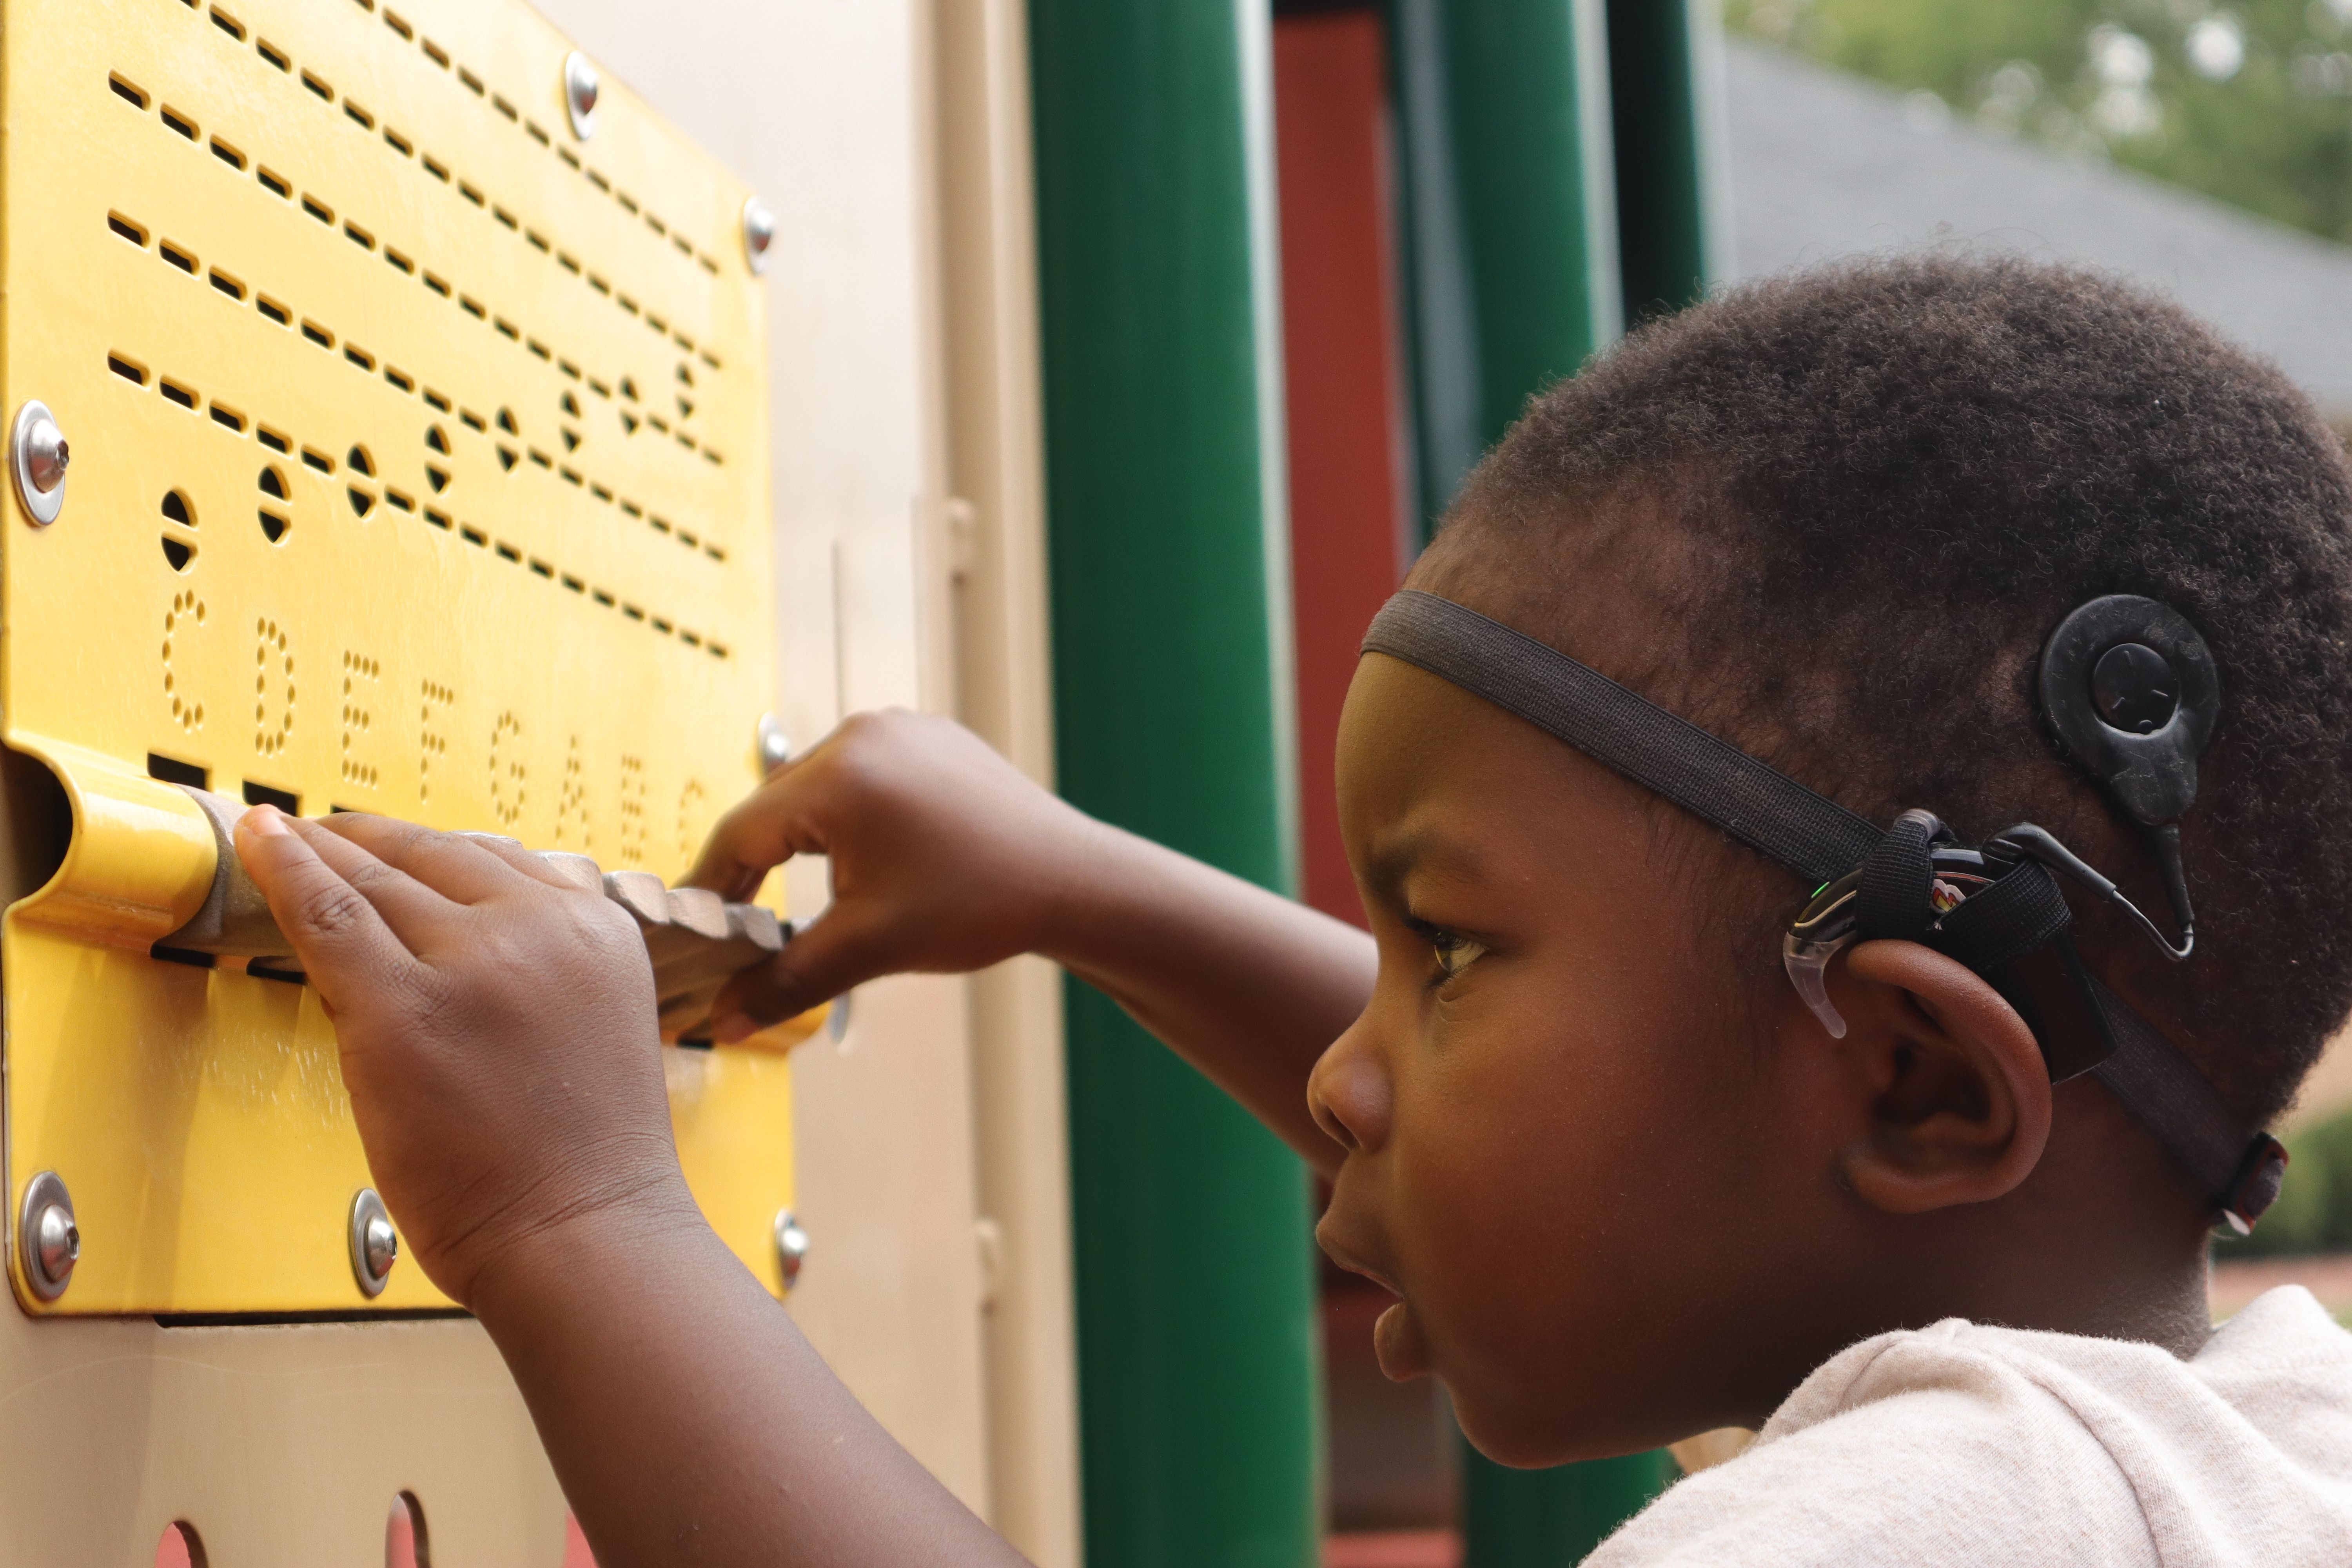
(388, 418)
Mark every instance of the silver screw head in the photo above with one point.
(48, 1242)
(775, 746)
(759, 233)
(581, 90)
(37, 455)
(791, 1247)
(374, 1245)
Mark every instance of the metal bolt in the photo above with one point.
(375, 1245)
(581, 90)
(791, 1247)
(759, 233)
(37, 455)
(775, 747)
(48, 1242)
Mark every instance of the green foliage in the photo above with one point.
(2313, 1211)
(2251, 105)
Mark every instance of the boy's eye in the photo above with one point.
(1455, 953)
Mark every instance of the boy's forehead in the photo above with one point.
(1427, 772)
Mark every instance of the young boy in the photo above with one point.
(1627, 1181)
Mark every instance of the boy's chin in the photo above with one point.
(1398, 1341)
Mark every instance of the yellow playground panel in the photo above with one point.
(411, 385)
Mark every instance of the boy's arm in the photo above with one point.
(945, 859)
(498, 1036)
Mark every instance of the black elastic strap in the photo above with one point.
(1757, 805)
(1821, 840)
(2170, 1096)
(1894, 898)
(2000, 924)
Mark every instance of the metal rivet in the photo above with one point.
(37, 455)
(759, 233)
(581, 90)
(791, 1247)
(775, 747)
(375, 1245)
(48, 1242)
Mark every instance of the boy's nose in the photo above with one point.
(1349, 1095)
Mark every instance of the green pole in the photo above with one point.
(1667, 93)
(1197, 1369)
(1551, 1518)
(1510, 226)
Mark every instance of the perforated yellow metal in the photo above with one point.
(417, 466)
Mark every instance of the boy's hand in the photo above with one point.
(498, 1036)
(945, 860)
(496, 1030)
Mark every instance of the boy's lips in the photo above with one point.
(1402, 1347)
(1338, 1252)
(1397, 1338)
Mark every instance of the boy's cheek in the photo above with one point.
(1528, 1180)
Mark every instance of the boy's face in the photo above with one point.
(1578, 1157)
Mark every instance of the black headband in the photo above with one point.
(1888, 872)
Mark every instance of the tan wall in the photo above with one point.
(824, 108)
(996, 548)
(286, 1446)
(892, 138)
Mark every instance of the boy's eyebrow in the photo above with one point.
(1422, 847)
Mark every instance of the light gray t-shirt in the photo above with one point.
(1964, 1447)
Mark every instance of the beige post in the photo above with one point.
(1002, 654)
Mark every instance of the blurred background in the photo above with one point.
(2203, 150)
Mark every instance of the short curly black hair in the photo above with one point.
(1862, 495)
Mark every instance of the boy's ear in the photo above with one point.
(1956, 1095)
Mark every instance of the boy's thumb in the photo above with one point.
(818, 964)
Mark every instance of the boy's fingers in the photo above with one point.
(819, 964)
(337, 931)
(767, 829)
(464, 870)
(410, 909)
(529, 863)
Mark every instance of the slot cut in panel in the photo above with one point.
(285, 800)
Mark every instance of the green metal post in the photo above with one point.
(1509, 215)
(1197, 1368)
(1667, 93)
(1551, 1518)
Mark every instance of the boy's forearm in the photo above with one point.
(688, 1419)
(945, 860)
(1246, 986)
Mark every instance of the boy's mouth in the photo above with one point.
(1397, 1338)
(1338, 1252)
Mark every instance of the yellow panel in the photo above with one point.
(418, 467)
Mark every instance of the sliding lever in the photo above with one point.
(694, 940)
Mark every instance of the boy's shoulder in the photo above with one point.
(1973, 1446)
